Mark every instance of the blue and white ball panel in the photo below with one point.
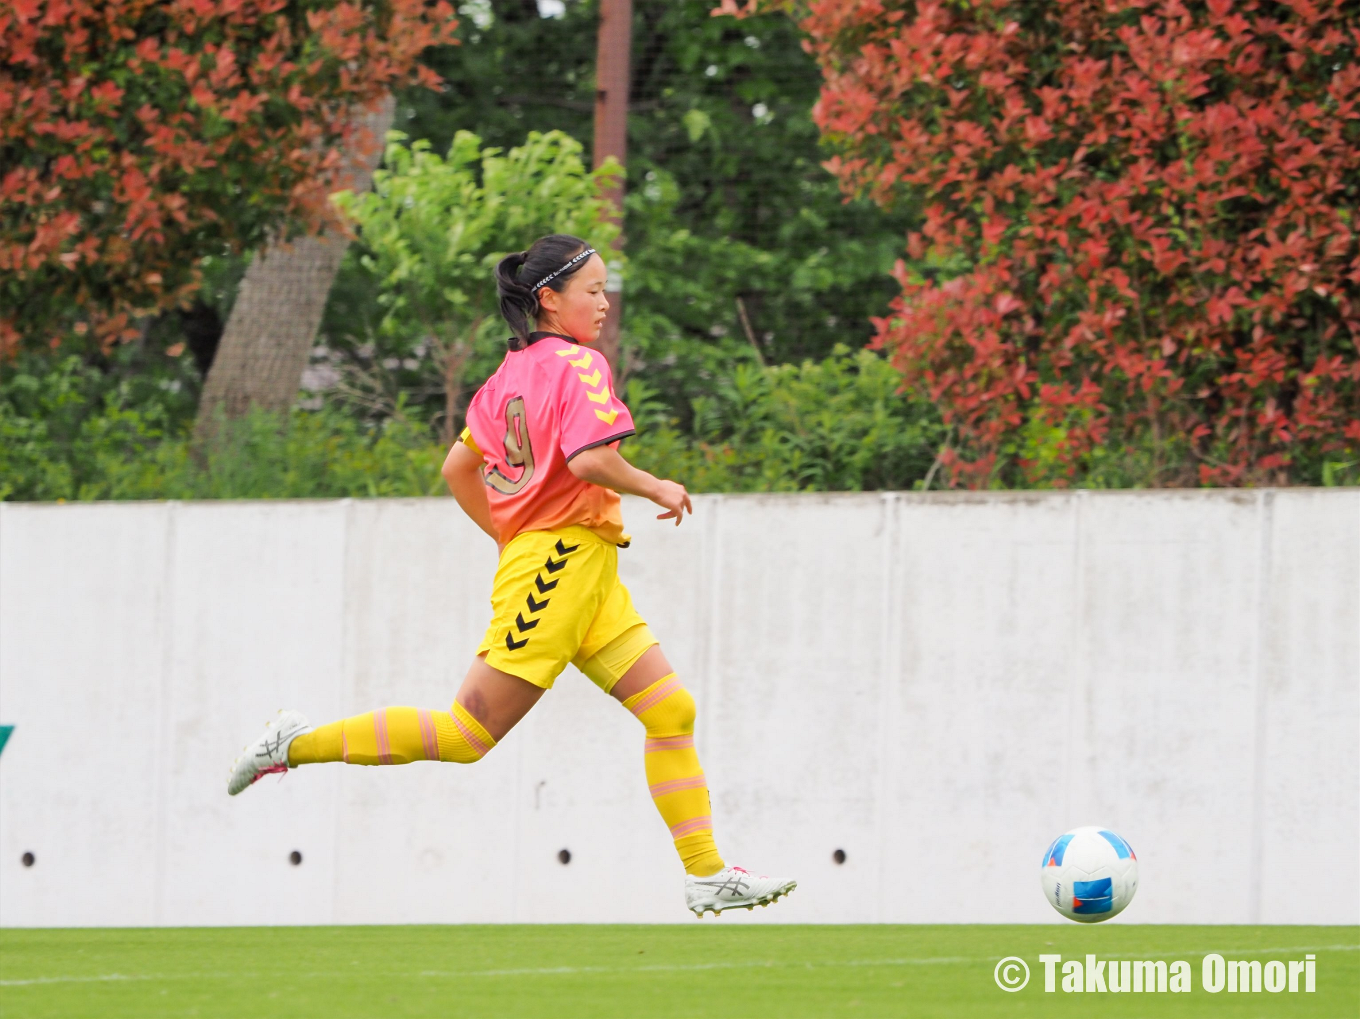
(1122, 849)
(1093, 896)
(1054, 856)
(1089, 874)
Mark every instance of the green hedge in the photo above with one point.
(62, 438)
(835, 425)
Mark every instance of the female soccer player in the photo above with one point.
(538, 469)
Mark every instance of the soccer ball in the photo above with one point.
(1089, 874)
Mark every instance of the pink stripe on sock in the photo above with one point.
(469, 735)
(685, 742)
(692, 826)
(427, 735)
(676, 785)
(344, 744)
(658, 695)
(380, 732)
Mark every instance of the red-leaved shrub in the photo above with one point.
(1138, 225)
(138, 135)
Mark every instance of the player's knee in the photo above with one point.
(458, 752)
(461, 738)
(675, 715)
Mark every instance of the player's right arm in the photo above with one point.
(463, 472)
(604, 466)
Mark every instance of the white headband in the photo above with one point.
(553, 275)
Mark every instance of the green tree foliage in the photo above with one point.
(727, 200)
(727, 197)
(431, 232)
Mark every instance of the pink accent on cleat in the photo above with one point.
(275, 770)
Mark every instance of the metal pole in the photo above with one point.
(612, 82)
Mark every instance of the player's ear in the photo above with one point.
(547, 299)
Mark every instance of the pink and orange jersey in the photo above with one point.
(545, 404)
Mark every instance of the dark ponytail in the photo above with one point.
(517, 273)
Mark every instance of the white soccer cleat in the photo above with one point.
(733, 888)
(268, 755)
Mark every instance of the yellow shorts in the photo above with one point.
(558, 599)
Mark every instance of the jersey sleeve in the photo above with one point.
(590, 413)
(478, 418)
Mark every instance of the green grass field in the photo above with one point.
(692, 970)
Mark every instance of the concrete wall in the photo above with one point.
(938, 685)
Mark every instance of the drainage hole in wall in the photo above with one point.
(295, 858)
(838, 856)
(564, 857)
(28, 859)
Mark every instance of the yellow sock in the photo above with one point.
(674, 776)
(395, 736)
